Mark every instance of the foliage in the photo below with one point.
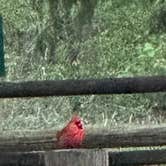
(158, 21)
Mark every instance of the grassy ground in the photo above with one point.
(122, 43)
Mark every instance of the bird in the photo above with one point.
(72, 135)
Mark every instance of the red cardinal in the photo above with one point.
(72, 135)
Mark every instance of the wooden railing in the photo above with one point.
(39, 149)
(83, 87)
(98, 147)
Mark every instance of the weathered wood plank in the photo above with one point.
(139, 157)
(80, 157)
(22, 159)
(72, 157)
(154, 136)
(83, 87)
(119, 137)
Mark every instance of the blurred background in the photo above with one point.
(80, 39)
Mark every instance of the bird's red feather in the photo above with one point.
(72, 135)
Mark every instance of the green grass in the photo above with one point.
(118, 44)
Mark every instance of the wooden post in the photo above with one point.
(81, 157)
